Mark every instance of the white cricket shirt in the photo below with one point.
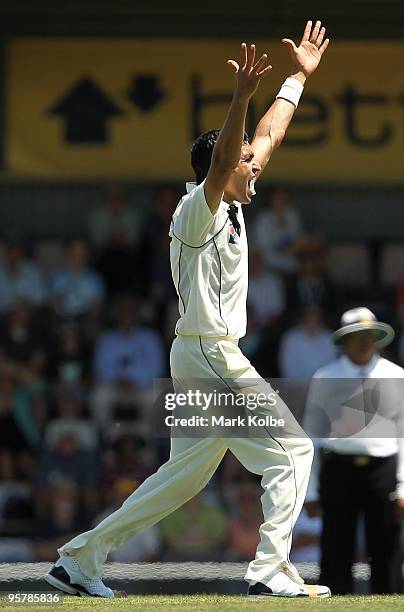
(209, 264)
(375, 446)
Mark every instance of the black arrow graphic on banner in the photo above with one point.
(86, 109)
(146, 92)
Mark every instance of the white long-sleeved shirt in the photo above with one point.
(358, 418)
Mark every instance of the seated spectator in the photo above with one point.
(65, 461)
(114, 230)
(265, 292)
(16, 521)
(62, 521)
(21, 417)
(306, 347)
(20, 278)
(70, 359)
(70, 420)
(126, 462)
(311, 286)
(15, 502)
(23, 355)
(195, 532)
(127, 360)
(22, 346)
(244, 528)
(144, 546)
(114, 222)
(76, 289)
(276, 230)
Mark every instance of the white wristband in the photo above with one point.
(291, 90)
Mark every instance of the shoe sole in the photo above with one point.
(61, 586)
(67, 587)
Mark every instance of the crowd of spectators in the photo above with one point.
(81, 342)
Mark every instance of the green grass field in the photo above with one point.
(207, 603)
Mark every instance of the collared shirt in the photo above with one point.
(389, 421)
(209, 265)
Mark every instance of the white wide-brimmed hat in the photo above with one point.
(361, 319)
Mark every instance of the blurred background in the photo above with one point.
(99, 104)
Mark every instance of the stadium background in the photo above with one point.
(98, 107)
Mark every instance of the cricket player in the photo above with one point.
(210, 269)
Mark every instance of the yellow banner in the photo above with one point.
(131, 108)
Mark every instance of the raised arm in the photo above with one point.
(272, 127)
(227, 151)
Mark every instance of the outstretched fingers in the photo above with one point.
(234, 66)
(243, 56)
(250, 57)
(242, 61)
(320, 37)
(315, 32)
(246, 62)
(316, 36)
(307, 31)
(264, 71)
(262, 60)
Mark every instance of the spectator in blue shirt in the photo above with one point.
(127, 360)
(306, 347)
(77, 290)
(20, 278)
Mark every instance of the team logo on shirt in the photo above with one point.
(233, 236)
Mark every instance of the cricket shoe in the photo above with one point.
(281, 585)
(67, 576)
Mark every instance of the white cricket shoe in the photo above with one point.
(281, 585)
(67, 576)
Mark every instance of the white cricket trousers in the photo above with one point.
(283, 463)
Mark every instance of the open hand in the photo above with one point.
(306, 57)
(248, 74)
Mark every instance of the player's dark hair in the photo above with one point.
(201, 153)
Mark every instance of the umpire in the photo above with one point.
(355, 476)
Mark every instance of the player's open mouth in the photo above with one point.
(251, 186)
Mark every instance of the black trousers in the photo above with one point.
(351, 486)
